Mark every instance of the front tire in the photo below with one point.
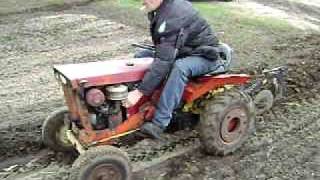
(102, 162)
(226, 122)
(54, 131)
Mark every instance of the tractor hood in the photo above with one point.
(102, 72)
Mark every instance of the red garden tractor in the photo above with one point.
(94, 117)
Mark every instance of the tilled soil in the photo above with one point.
(303, 75)
(29, 48)
(285, 145)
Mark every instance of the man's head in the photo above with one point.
(151, 5)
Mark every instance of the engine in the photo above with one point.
(104, 105)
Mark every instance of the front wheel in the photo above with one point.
(102, 162)
(54, 131)
(226, 122)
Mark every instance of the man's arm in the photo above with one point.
(161, 66)
(164, 59)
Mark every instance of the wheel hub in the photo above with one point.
(61, 134)
(234, 125)
(105, 172)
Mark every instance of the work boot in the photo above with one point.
(152, 129)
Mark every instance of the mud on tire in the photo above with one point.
(54, 129)
(226, 122)
(102, 162)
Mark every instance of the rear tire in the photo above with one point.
(54, 131)
(102, 162)
(226, 122)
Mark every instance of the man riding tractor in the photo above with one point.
(185, 47)
(184, 69)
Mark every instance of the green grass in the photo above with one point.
(5, 39)
(130, 3)
(251, 36)
(14, 6)
(125, 11)
(56, 2)
(221, 15)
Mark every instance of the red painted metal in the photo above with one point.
(233, 124)
(133, 122)
(104, 72)
(145, 108)
(70, 98)
(202, 85)
(84, 114)
(120, 71)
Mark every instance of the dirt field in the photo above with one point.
(286, 143)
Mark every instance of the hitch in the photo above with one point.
(269, 78)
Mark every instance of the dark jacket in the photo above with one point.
(177, 31)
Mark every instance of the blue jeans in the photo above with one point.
(182, 70)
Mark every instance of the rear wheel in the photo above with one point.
(102, 163)
(54, 131)
(226, 122)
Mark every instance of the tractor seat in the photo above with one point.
(225, 59)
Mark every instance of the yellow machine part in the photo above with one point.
(196, 106)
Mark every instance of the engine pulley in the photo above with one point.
(95, 97)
